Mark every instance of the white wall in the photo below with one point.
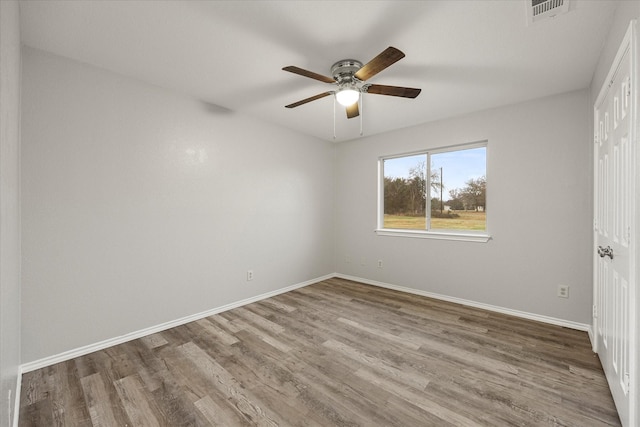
(142, 206)
(9, 206)
(538, 208)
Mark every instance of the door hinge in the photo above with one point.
(595, 311)
(627, 382)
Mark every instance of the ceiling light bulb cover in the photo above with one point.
(347, 97)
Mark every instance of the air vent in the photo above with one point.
(538, 10)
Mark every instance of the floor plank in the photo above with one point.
(334, 353)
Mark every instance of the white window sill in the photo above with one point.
(438, 235)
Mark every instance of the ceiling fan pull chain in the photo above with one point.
(334, 116)
(361, 112)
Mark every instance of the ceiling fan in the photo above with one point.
(350, 77)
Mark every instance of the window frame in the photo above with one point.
(438, 234)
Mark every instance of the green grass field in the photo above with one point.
(467, 220)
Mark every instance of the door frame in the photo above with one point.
(630, 43)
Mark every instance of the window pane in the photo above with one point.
(458, 189)
(405, 192)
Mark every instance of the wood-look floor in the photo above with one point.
(336, 353)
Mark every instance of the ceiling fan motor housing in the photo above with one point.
(343, 71)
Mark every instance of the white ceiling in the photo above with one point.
(465, 55)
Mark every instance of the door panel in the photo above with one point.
(614, 198)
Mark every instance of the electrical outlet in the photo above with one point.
(563, 291)
(249, 275)
(363, 261)
(379, 263)
(347, 259)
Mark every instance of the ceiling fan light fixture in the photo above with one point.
(347, 96)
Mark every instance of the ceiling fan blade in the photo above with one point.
(312, 98)
(353, 111)
(310, 74)
(389, 56)
(405, 92)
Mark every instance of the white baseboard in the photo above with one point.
(517, 313)
(81, 351)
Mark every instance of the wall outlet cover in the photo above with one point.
(563, 291)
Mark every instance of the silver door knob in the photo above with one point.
(603, 252)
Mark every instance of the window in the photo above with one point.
(437, 193)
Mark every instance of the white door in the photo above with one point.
(614, 264)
